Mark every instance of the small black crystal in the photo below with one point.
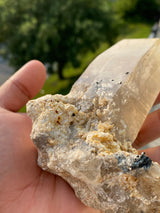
(141, 161)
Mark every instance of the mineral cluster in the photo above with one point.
(78, 144)
(86, 136)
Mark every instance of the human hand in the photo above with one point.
(24, 187)
(149, 132)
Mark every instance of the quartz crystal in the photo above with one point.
(83, 138)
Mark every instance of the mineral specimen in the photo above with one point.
(76, 140)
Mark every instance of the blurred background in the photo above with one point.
(66, 35)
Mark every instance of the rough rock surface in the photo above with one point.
(78, 144)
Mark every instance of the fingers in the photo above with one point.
(149, 131)
(22, 86)
(153, 153)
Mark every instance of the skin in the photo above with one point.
(24, 187)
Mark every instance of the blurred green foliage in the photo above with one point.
(62, 32)
(140, 10)
(58, 31)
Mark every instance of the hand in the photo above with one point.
(149, 132)
(24, 187)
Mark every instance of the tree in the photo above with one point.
(54, 31)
